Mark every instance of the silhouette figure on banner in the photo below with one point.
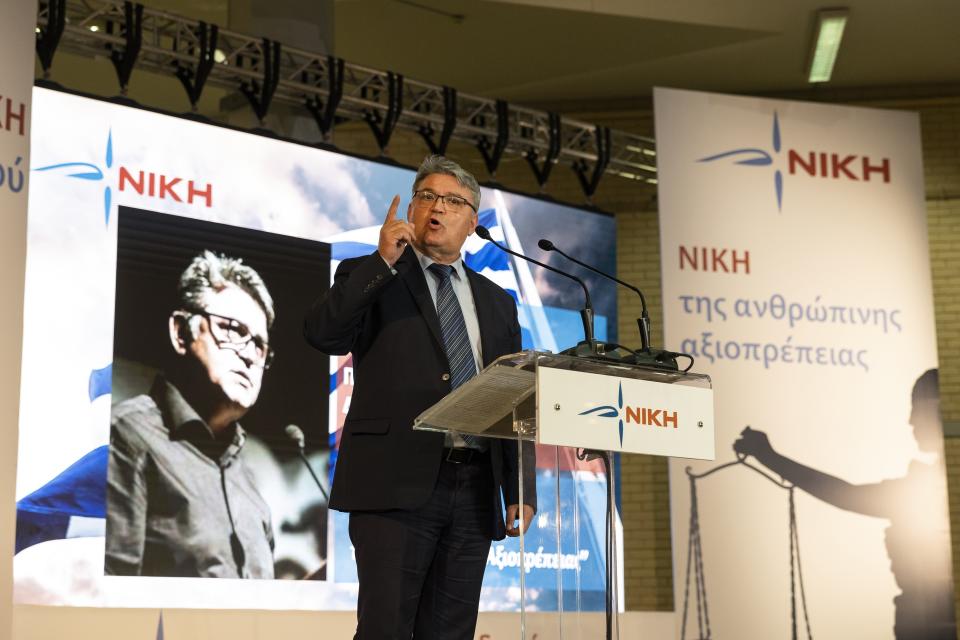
(918, 538)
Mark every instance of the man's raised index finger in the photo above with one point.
(392, 212)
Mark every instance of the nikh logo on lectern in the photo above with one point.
(643, 416)
(816, 164)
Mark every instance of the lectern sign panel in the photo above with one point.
(610, 413)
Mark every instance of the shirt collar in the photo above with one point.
(184, 423)
(426, 261)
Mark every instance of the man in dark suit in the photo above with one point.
(423, 506)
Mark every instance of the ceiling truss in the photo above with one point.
(333, 91)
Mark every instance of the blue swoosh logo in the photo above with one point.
(756, 157)
(96, 174)
(608, 411)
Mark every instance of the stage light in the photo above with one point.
(219, 56)
(826, 43)
(94, 28)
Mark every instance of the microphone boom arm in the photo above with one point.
(643, 322)
(586, 314)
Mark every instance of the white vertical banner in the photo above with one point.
(796, 272)
(17, 21)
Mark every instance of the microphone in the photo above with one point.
(586, 314)
(643, 322)
(295, 433)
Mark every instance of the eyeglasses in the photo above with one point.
(232, 334)
(452, 203)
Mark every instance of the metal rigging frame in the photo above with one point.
(334, 91)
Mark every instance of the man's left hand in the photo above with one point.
(512, 529)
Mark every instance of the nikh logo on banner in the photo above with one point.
(92, 172)
(816, 164)
(148, 184)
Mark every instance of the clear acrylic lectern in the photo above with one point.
(588, 408)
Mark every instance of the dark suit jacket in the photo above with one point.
(390, 325)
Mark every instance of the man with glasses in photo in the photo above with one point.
(180, 500)
(424, 507)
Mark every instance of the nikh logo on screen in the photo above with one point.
(643, 416)
(817, 164)
(143, 183)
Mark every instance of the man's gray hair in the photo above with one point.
(439, 164)
(213, 272)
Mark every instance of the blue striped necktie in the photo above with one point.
(456, 341)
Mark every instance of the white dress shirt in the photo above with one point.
(461, 287)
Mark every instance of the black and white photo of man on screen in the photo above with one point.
(180, 499)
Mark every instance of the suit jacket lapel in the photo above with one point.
(485, 316)
(409, 270)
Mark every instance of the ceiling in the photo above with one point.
(554, 50)
(532, 51)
